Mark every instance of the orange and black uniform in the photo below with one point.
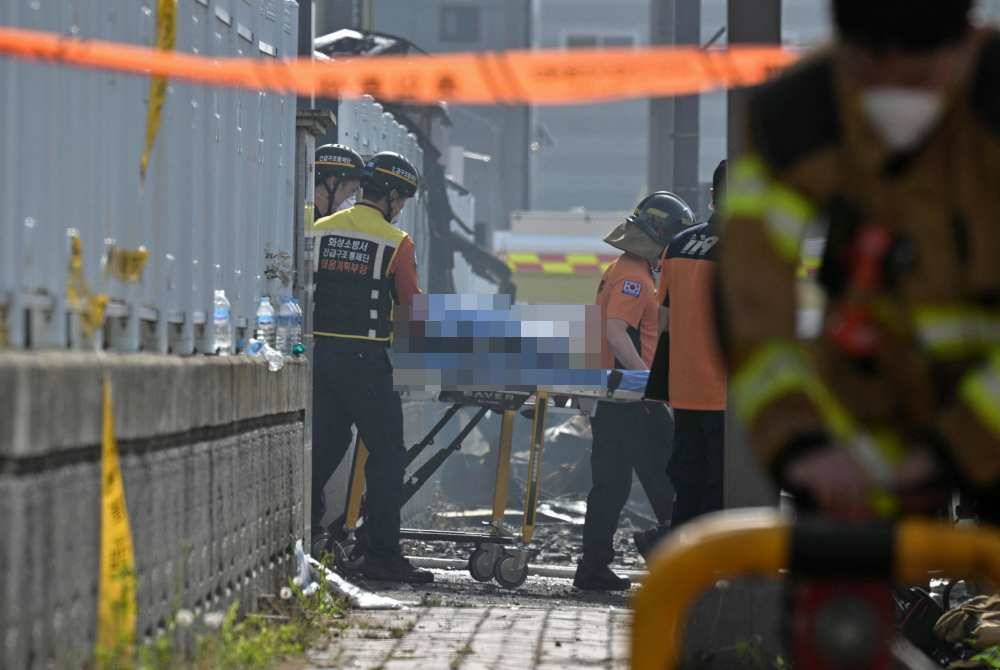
(627, 436)
(697, 381)
(364, 266)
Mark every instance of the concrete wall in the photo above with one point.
(212, 459)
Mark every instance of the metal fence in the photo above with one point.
(367, 128)
(215, 209)
(466, 281)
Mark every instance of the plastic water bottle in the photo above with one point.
(264, 326)
(258, 348)
(222, 324)
(295, 332)
(282, 337)
(275, 361)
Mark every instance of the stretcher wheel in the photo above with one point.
(481, 564)
(508, 573)
(348, 556)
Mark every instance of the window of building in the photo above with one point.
(617, 41)
(460, 23)
(581, 40)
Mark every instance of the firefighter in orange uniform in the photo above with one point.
(697, 379)
(629, 436)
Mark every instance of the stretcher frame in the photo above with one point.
(498, 553)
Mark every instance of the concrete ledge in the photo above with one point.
(51, 401)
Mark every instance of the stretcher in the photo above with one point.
(498, 553)
(836, 575)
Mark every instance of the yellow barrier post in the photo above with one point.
(733, 544)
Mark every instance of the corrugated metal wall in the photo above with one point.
(217, 200)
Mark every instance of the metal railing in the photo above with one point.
(214, 211)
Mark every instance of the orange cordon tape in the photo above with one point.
(559, 264)
(535, 77)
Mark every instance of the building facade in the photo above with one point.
(590, 156)
(495, 139)
(804, 24)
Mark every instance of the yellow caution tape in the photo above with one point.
(166, 37)
(91, 306)
(127, 264)
(116, 604)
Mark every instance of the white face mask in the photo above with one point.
(902, 116)
(347, 204)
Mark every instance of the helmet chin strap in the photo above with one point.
(329, 197)
(388, 207)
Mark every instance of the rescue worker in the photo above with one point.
(636, 435)
(364, 266)
(891, 137)
(338, 176)
(697, 379)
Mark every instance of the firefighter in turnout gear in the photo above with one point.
(637, 435)
(364, 265)
(338, 176)
(890, 139)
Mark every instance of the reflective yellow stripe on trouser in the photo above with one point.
(955, 331)
(980, 391)
(785, 213)
(780, 369)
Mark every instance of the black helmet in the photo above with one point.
(661, 216)
(337, 160)
(902, 24)
(388, 171)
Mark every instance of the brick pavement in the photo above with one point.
(481, 638)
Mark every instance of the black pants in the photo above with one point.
(627, 437)
(696, 465)
(352, 385)
(986, 504)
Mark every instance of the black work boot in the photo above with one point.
(322, 543)
(599, 578)
(647, 539)
(394, 569)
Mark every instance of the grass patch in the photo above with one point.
(259, 641)
(376, 630)
(461, 655)
(399, 632)
(744, 655)
(431, 600)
